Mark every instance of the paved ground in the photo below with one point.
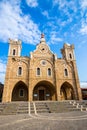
(61, 121)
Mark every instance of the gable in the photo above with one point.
(42, 49)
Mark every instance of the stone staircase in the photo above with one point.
(61, 107)
(42, 107)
(22, 108)
(13, 108)
(38, 107)
(8, 108)
(82, 105)
(32, 110)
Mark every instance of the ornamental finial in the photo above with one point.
(42, 35)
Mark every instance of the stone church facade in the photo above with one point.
(42, 76)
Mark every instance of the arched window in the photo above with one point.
(70, 56)
(14, 52)
(38, 71)
(49, 72)
(20, 71)
(66, 72)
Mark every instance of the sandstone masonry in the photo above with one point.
(42, 76)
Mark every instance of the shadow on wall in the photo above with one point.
(84, 93)
(1, 91)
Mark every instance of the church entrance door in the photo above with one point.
(41, 95)
(43, 91)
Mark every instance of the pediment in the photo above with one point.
(42, 49)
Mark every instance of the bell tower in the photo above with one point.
(68, 52)
(14, 47)
(69, 56)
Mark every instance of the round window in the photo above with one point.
(43, 62)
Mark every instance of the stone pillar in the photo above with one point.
(58, 91)
(77, 83)
(30, 91)
(4, 98)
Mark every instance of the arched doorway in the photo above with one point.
(67, 92)
(44, 91)
(20, 92)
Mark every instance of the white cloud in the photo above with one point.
(61, 3)
(2, 71)
(32, 3)
(83, 7)
(65, 22)
(14, 24)
(2, 67)
(83, 19)
(83, 29)
(65, 5)
(45, 13)
(2, 77)
(83, 4)
(54, 39)
(83, 84)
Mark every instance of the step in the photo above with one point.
(42, 107)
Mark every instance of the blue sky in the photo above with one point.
(62, 21)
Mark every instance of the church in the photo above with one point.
(42, 75)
